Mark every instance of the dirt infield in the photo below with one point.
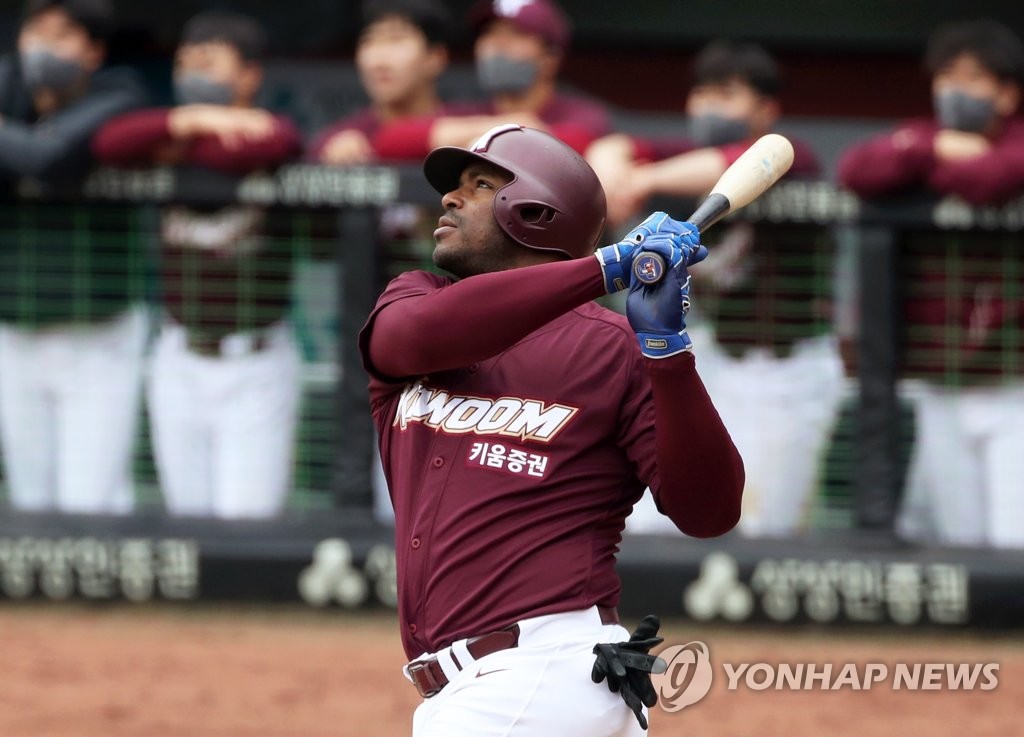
(154, 672)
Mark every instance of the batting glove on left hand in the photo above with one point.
(617, 259)
(657, 312)
(627, 666)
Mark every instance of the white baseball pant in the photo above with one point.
(965, 485)
(224, 426)
(540, 688)
(69, 409)
(779, 413)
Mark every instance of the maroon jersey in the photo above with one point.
(805, 161)
(962, 305)
(511, 478)
(575, 120)
(222, 269)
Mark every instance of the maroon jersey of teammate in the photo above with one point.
(905, 160)
(805, 161)
(518, 424)
(221, 272)
(576, 120)
(958, 316)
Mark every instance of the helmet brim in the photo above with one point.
(443, 166)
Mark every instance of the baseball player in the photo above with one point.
(769, 356)
(518, 424)
(225, 382)
(72, 321)
(519, 49)
(962, 319)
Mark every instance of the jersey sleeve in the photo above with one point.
(990, 179)
(409, 284)
(889, 163)
(679, 446)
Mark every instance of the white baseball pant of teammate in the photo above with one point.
(780, 413)
(69, 409)
(538, 689)
(224, 426)
(965, 485)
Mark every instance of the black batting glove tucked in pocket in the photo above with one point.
(627, 666)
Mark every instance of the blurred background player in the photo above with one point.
(770, 359)
(400, 55)
(966, 481)
(519, 48)
(72, 325)
(224, 386)
(733, 101)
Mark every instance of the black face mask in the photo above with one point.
(501, 74)
(712, 129)
(41, 69)
(957, 110)
(196, 89)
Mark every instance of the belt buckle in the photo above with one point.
(422, 670)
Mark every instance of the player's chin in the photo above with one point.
(446, 255)
(454, 260)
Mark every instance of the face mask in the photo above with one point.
(959, 111)
(41, 69)
(195, 89)
(500, 74)
(712, 129)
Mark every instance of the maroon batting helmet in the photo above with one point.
(554, 201)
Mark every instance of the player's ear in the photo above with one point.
(550, 62)
(1007, 99)
(95, 53)
(766, 114)
(249, 81)
(437, 60)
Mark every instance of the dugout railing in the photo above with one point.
(329, 549)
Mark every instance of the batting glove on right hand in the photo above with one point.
(617, 259)
(657, 312)
(627, 666)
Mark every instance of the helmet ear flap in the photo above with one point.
(538, 215)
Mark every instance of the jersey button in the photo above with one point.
(438, 461)
(474, 367)
(412, 628)
(416, 543)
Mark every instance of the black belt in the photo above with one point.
(429, 678)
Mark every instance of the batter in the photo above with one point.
(518, 424)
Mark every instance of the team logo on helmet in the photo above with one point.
(484, 142)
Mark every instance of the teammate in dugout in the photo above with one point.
(72, 320)
(770, 356)
(224, 385)
(400, 55)
(518, 424)
(963, 349)
(519, 48)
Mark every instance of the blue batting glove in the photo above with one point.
(617, 259)
(657, 312)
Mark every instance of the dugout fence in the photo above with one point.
(827, 265)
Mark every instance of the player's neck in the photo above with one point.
(532, 100)
(423, 102)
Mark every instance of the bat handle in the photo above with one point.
(714, 207)
(649, 267)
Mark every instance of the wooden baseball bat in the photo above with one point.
(746, 179)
